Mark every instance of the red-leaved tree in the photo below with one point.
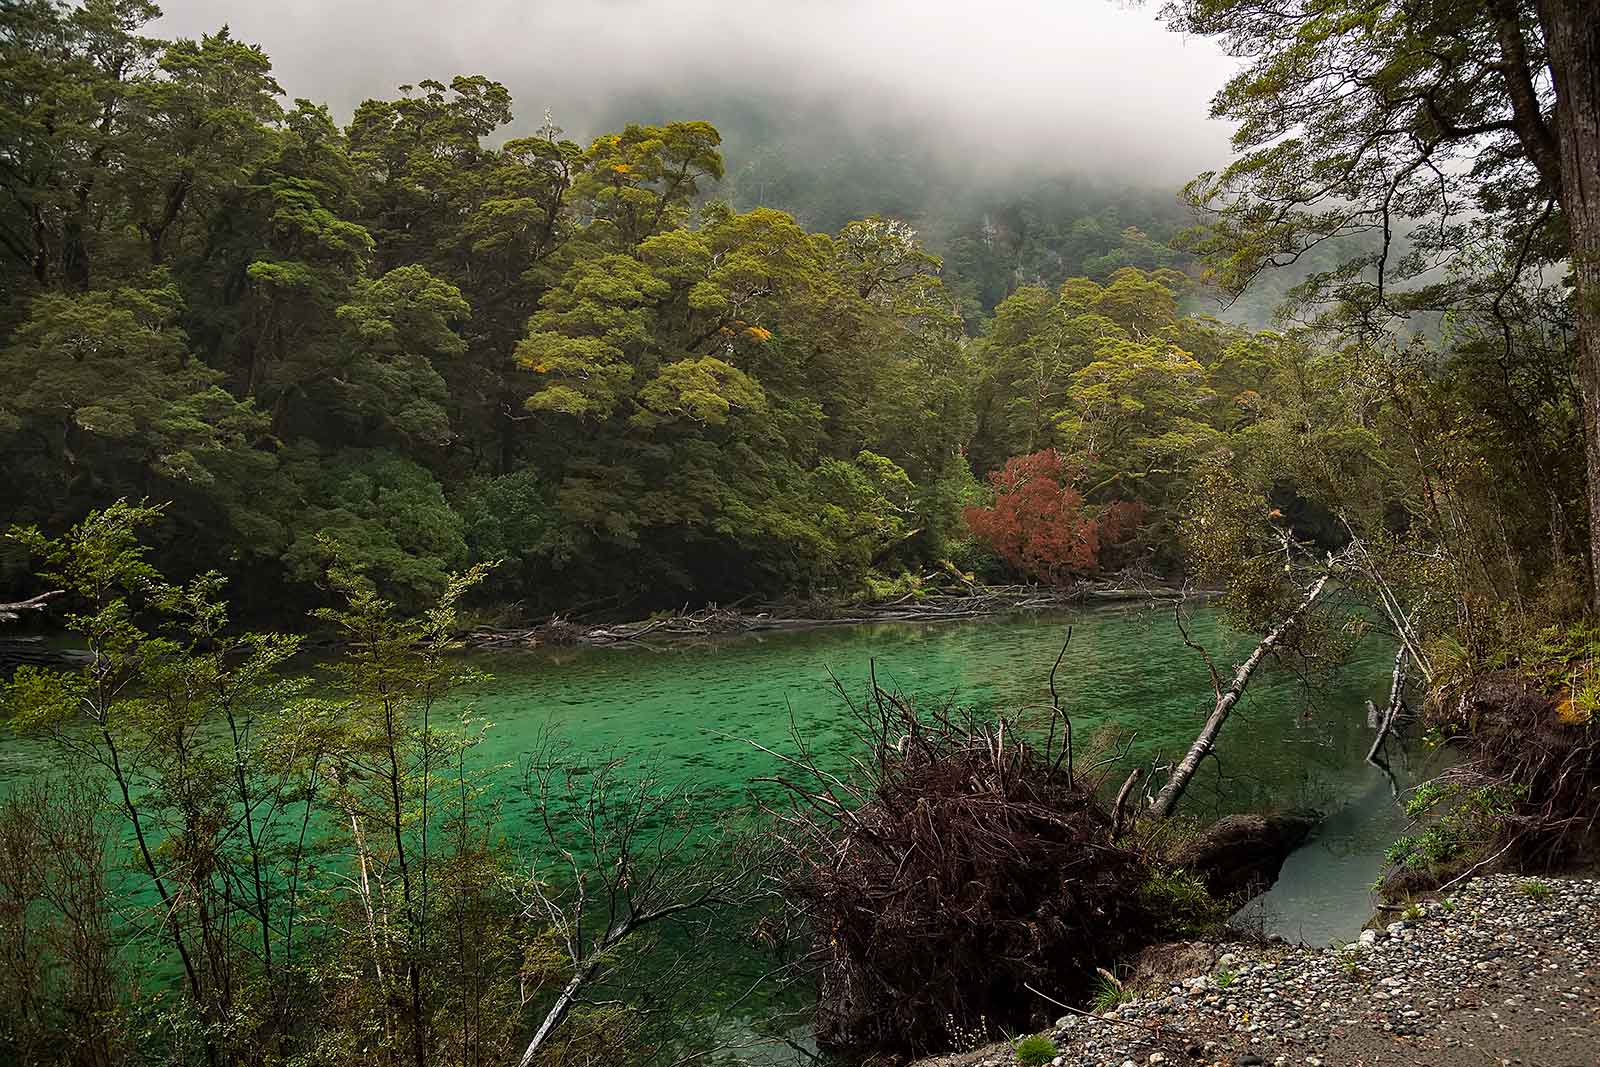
(1037, 522)
(1119, 525)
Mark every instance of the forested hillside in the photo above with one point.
(417, 343)
(622, 373)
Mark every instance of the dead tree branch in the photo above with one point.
(1167, 799)
(13, 611)
(634, 857)
(1397, 702)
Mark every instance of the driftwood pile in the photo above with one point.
(971, 603)
(958, 866)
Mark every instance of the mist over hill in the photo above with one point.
(1020, 140)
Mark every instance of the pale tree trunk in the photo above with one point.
(1397, 700)
(1572, 39)
(1167, 799)
(12, 611)
(559, 1010)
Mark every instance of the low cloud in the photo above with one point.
(1070, 86)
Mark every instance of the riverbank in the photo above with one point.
(1504, 970)
(967, 602)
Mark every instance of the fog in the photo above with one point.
(1087, 87)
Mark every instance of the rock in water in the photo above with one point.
(1242, 854)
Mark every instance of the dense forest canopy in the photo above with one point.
(609, 366)
(646, 371)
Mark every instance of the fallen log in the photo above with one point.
(1397, 702)
(951, 605)
(1167, 799)
(14, 609)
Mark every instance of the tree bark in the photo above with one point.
(1396, 702)
(1572, 40)
(1167, 799)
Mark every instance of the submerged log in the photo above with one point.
(1167, 799)
(1242, 855)
(33, 652)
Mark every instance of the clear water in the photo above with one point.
(690, 714)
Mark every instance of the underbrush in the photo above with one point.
(1523, 797)
(962, 875)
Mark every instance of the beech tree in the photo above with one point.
(1037, 522)
(1464, 129)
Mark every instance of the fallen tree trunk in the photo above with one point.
(1397, 701)
(1167, 799)
(13, 610)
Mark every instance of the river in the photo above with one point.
(690, 714)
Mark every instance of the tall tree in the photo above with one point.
(67, 80)
(1459, 126)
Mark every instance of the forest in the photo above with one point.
(271, 379)
(437, 349)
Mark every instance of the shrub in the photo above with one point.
(1523, 795)
(1035, 1051)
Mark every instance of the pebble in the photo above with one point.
(1488, 947)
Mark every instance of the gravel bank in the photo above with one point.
(1505, 970)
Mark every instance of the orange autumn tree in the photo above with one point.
(1039, 525)
(1037, 522)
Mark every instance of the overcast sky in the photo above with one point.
(1096, 83)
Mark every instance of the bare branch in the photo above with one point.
(12, 611)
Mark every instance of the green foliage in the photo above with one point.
(1035, 1050)
(1535, 889)
(314, 878)
(1109, 994)
(1460, 823)
(436, 346)
(105, 387)
(1181, 904)
(432, 348)
(382, 512)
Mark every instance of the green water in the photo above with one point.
(691, 713)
